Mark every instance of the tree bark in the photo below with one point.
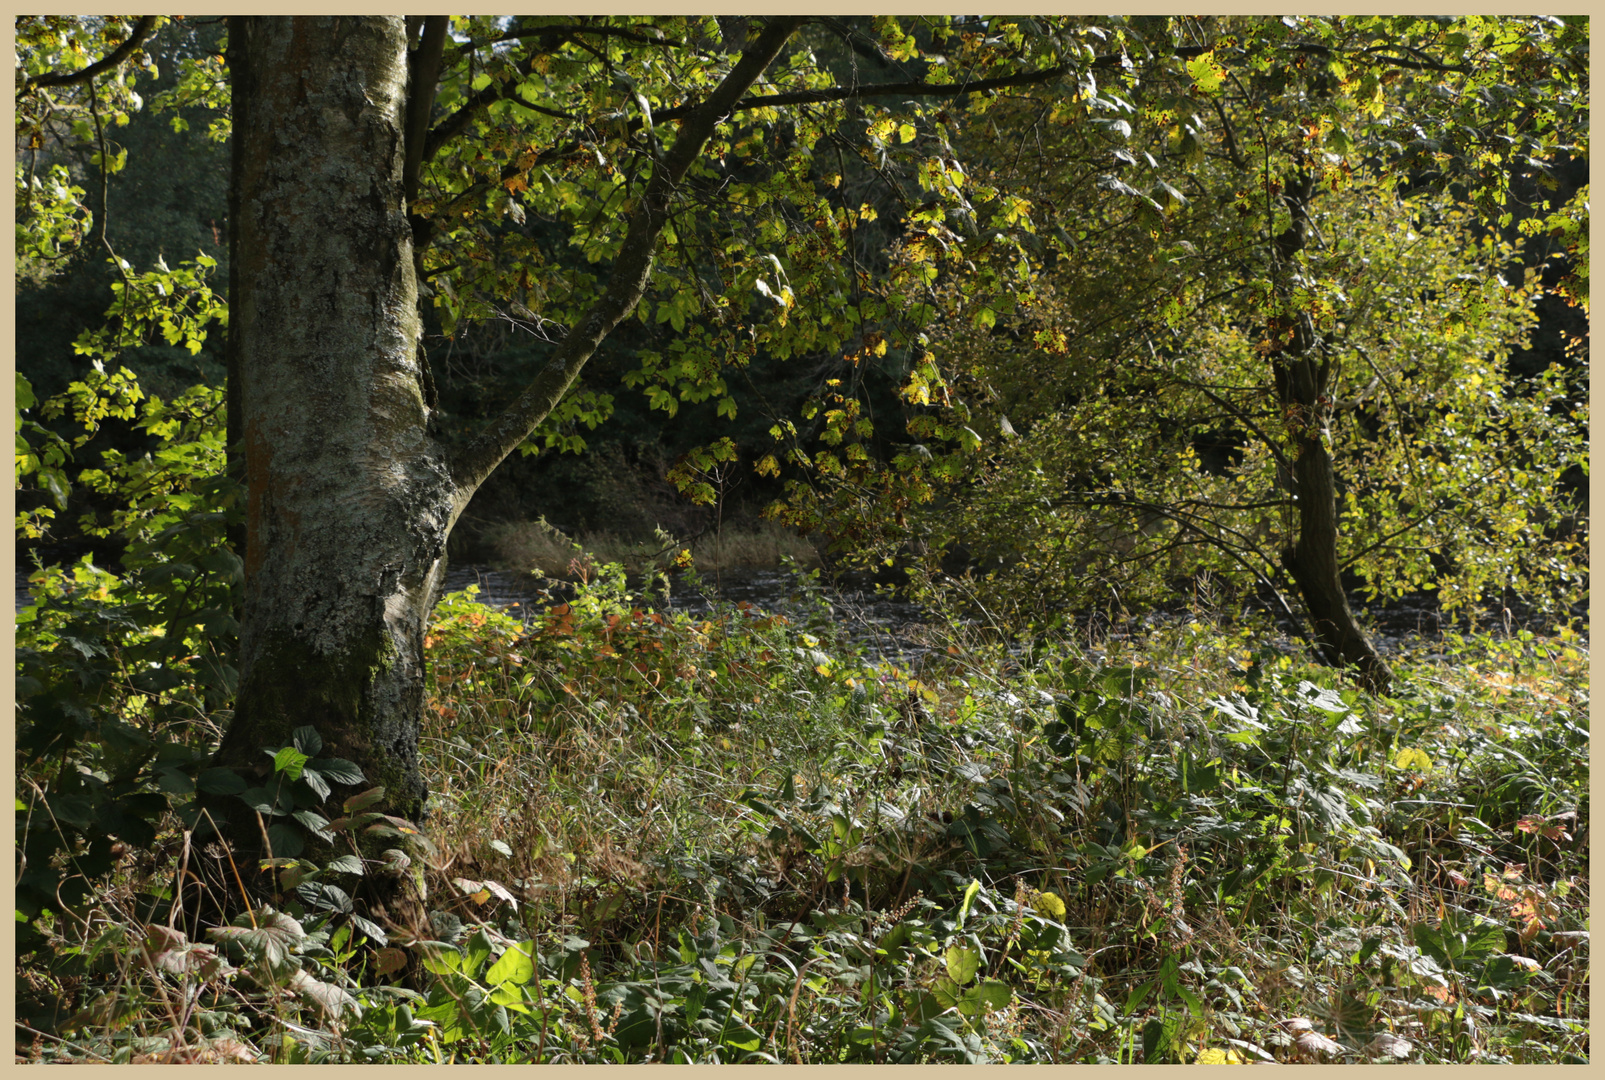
(1301, 375)
(349, 497)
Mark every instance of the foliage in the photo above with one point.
(59, 220)
(734, 836)
(1130, 391)
(59, 105)
(1185, 849)
(1132, 465)
(119, 676)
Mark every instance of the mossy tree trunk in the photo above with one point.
(350, 496)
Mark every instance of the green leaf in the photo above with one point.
(1206, 74)
(285, 840)
(1411, 757)
(338, 771)
(476, 950)
(307, 740)
(442, 961)
(272, 939)
(220, 782)
(314, 780)
(260, 799)
(516, 965)
(175, 782)
(331, 1000)
(962, 963)
(970, 893)
(988, 993)
(374, 931)
(288, 760)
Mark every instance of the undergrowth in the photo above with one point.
(731, 837)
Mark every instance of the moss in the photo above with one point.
(364, 702)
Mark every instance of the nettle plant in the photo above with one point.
(289, 805)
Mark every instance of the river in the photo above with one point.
(891, 628)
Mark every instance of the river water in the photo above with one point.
(885, 626)
(892, 628)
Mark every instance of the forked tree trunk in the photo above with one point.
(350, 497)
(1302, 374)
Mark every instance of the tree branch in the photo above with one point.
(632, 269)
(458, 122)
(1414, 65)
(142, 30)
(915, 89)
(424, 76)
(568, 30)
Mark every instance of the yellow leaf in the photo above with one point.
(1412, 758)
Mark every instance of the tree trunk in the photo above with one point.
(1302, 374)
(349, 496)
(1313, 562)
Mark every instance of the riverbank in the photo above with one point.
(541, 548)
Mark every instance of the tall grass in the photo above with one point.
(660, 837)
